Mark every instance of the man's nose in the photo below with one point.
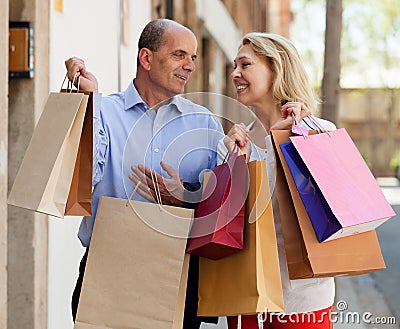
(189, 65)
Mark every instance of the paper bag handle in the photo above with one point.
(156, 189)
(237, 151)
(316, 125)
(71, 84)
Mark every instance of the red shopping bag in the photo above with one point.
(217, 229)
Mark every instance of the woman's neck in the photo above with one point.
(268, 115)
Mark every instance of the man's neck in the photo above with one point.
(148, 95)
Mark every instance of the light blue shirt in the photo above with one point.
(127, 132)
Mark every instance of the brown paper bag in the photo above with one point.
(135, 275)
(249, 281)
(44, 178)
(79, 201)
(306, 256)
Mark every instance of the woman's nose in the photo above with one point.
(235, 73)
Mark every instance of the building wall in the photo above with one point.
(27, 231)
(372, 118)
(280, 17)
(3, 160)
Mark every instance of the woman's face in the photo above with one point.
(252, 78)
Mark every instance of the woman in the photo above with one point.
(270, 78)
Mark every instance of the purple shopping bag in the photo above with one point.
(322, 218)
(345, 181)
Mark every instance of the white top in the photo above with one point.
(303, 295)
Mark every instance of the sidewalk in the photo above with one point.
(366, 293)
(361, 302)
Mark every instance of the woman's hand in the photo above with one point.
(238, 136)
(87, 81)
(299, 110)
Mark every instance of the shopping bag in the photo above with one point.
(217, 229)
(247, 282)
(322, 218)
(43, 181)
(79, 202)
(306, 256)
(354, 201)
(135, 276)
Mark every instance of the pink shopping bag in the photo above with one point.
(345, 180)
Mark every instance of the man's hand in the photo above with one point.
(87, 81)
(171, 189)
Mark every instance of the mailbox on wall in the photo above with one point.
(21, 49)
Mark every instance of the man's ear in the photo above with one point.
(145, 58)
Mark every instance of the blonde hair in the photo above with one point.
(291, 83)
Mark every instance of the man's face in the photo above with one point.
(172, 65)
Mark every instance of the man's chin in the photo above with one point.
(180, 91)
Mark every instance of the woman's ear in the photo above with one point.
(145, 58)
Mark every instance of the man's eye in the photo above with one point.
(179, 55)
(245, 64)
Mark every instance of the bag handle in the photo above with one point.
(71, 84)
(296, 129)
(316, 124)
(237, 151)
(156, 189)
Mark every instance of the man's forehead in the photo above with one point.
(180, 39)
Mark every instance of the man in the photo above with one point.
(177, 139)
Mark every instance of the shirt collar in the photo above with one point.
(184, 105)
(132, 98)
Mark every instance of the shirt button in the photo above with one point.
(156, 150)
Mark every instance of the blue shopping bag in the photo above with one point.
(322, 218)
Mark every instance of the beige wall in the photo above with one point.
(372, 118)
(280, 17)
(3, 159)
(27, 232)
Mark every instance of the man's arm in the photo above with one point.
(87, 81)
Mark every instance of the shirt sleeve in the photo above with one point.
(100, 141)
(217, 135)
(222, 151)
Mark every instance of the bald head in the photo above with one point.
(152, 36)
